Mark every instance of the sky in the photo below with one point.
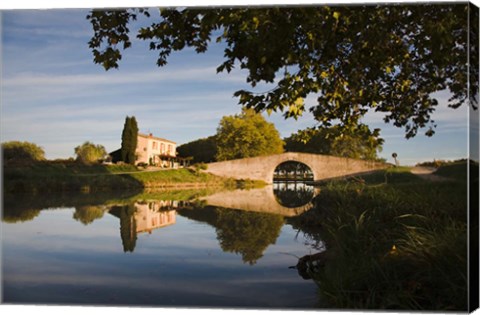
(52, 94)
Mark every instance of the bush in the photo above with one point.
(90, 153)
(200, 167)
(22, 151)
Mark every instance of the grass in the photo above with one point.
(176, 176)
(49, 177)
(394, 241)
(65, 176)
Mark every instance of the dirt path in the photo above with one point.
(427, 173)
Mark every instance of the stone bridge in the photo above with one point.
(263, 167)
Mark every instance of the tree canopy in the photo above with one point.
(22, 151)
(356, 143)
(246, 135)
(90, 153)
(202, 150)
(354, 59)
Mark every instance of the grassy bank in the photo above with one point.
(393, 239)
(49, 177)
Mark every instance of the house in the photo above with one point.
(155, 151)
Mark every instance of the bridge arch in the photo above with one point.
(263, 167)
(288, 166)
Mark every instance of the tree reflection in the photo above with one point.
(128, 225)
(19, 208)
(88, 214)
(247, 233)
(241, 232)
(12, 215)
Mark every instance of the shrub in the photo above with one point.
(90, 153)
(200, 167)
(22, 151)
(143, 164)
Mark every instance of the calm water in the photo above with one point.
(165, 252)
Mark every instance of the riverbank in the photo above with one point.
(394, 240)
(66, 176)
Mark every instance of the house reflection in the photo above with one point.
(154, 215)
(143, 216)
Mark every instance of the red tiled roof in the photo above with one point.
(153, 137)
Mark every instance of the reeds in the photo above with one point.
(393, 242)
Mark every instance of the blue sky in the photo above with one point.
(55, 96)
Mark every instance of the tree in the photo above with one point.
(357, 143)
(22, 152)
(129, 140)
(202, 150)
(246, 135)
(88, 153)
(355, 59)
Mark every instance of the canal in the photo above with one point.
(169, 248)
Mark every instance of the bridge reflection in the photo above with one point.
(293, 194)
(282, 199)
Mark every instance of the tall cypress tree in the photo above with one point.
(125, 139)
(133, 140)
(129, 140)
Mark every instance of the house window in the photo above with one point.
(162, 148)
(154, 145)
(169, 149)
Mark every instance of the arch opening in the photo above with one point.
(290, 184)
(292, 171)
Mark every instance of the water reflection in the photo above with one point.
(246, 233)
(207, 254)
(293, 194)
(266, 200)
(26, 207)
(128, 225)
(143, 216)
(88, 214)
(242, 232)
(154, 214)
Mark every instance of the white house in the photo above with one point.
(155, 151)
